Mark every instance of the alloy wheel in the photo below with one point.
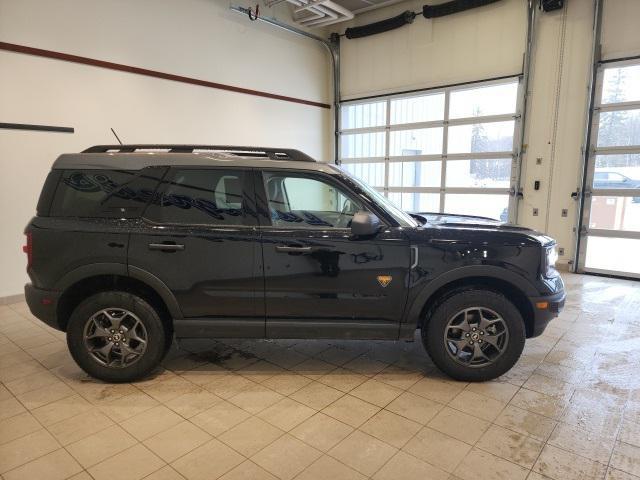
(115, 337)
(476, 337)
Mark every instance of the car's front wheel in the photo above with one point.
(116, 336)
(474, 335)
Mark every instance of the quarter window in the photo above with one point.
(304, 201)
(105, 193)
(201, 196)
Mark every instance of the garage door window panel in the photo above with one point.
(438, 149)
(415, 174)
(611, 254)
(481, 137)
(424, 108)
(370, 172)
(615, 213)
(363, 145)
(364, 115)
(621, 84)
(619, 128)
(482, 205)
(423, 141)
(484, 101)
(416, 202)
(479, 173)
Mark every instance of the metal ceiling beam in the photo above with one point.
(375, 6)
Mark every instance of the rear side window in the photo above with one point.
(105, 193)
(203, 197)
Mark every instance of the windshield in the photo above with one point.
(403, 218)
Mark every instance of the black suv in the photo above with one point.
(134, 245)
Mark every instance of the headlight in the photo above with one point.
(551, 257)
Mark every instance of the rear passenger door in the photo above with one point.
(198, 236)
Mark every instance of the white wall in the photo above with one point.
(196, 38)
(489, 42)
(556, 121)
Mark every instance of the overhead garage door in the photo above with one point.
(447, 150)
(611, 216)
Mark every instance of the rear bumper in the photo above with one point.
(545, 309)
(43, 304)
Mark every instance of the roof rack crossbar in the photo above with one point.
(268, 152)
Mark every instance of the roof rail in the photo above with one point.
(271, 153)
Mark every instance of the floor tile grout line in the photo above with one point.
(519, 386)
(558, 421)
(357, 428)
(43, 427)
(485, 431)
(252, 416)
(317, 411)
(139, 442)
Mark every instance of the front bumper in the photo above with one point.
(545, 309)
(43, 304)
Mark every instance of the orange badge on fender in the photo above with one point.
(384, 280)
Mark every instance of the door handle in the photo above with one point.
(443, 241)
(166, 247)
(287, 249)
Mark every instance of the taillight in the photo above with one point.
(28, 249)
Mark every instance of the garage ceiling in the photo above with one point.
(361, 6)
(320, 13)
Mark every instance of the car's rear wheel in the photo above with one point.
(116, 336)
(474, 335)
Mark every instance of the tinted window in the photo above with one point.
(205, 196)
(305, 201)
(105, 193)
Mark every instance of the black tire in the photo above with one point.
(154, 329)
(438, 318)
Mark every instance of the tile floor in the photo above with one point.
(334, 410)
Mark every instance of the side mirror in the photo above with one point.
(364, 224)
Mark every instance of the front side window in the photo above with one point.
(308, 202)
(201, 196)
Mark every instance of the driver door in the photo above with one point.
(320, 281)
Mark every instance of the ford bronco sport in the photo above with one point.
(135, 245)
